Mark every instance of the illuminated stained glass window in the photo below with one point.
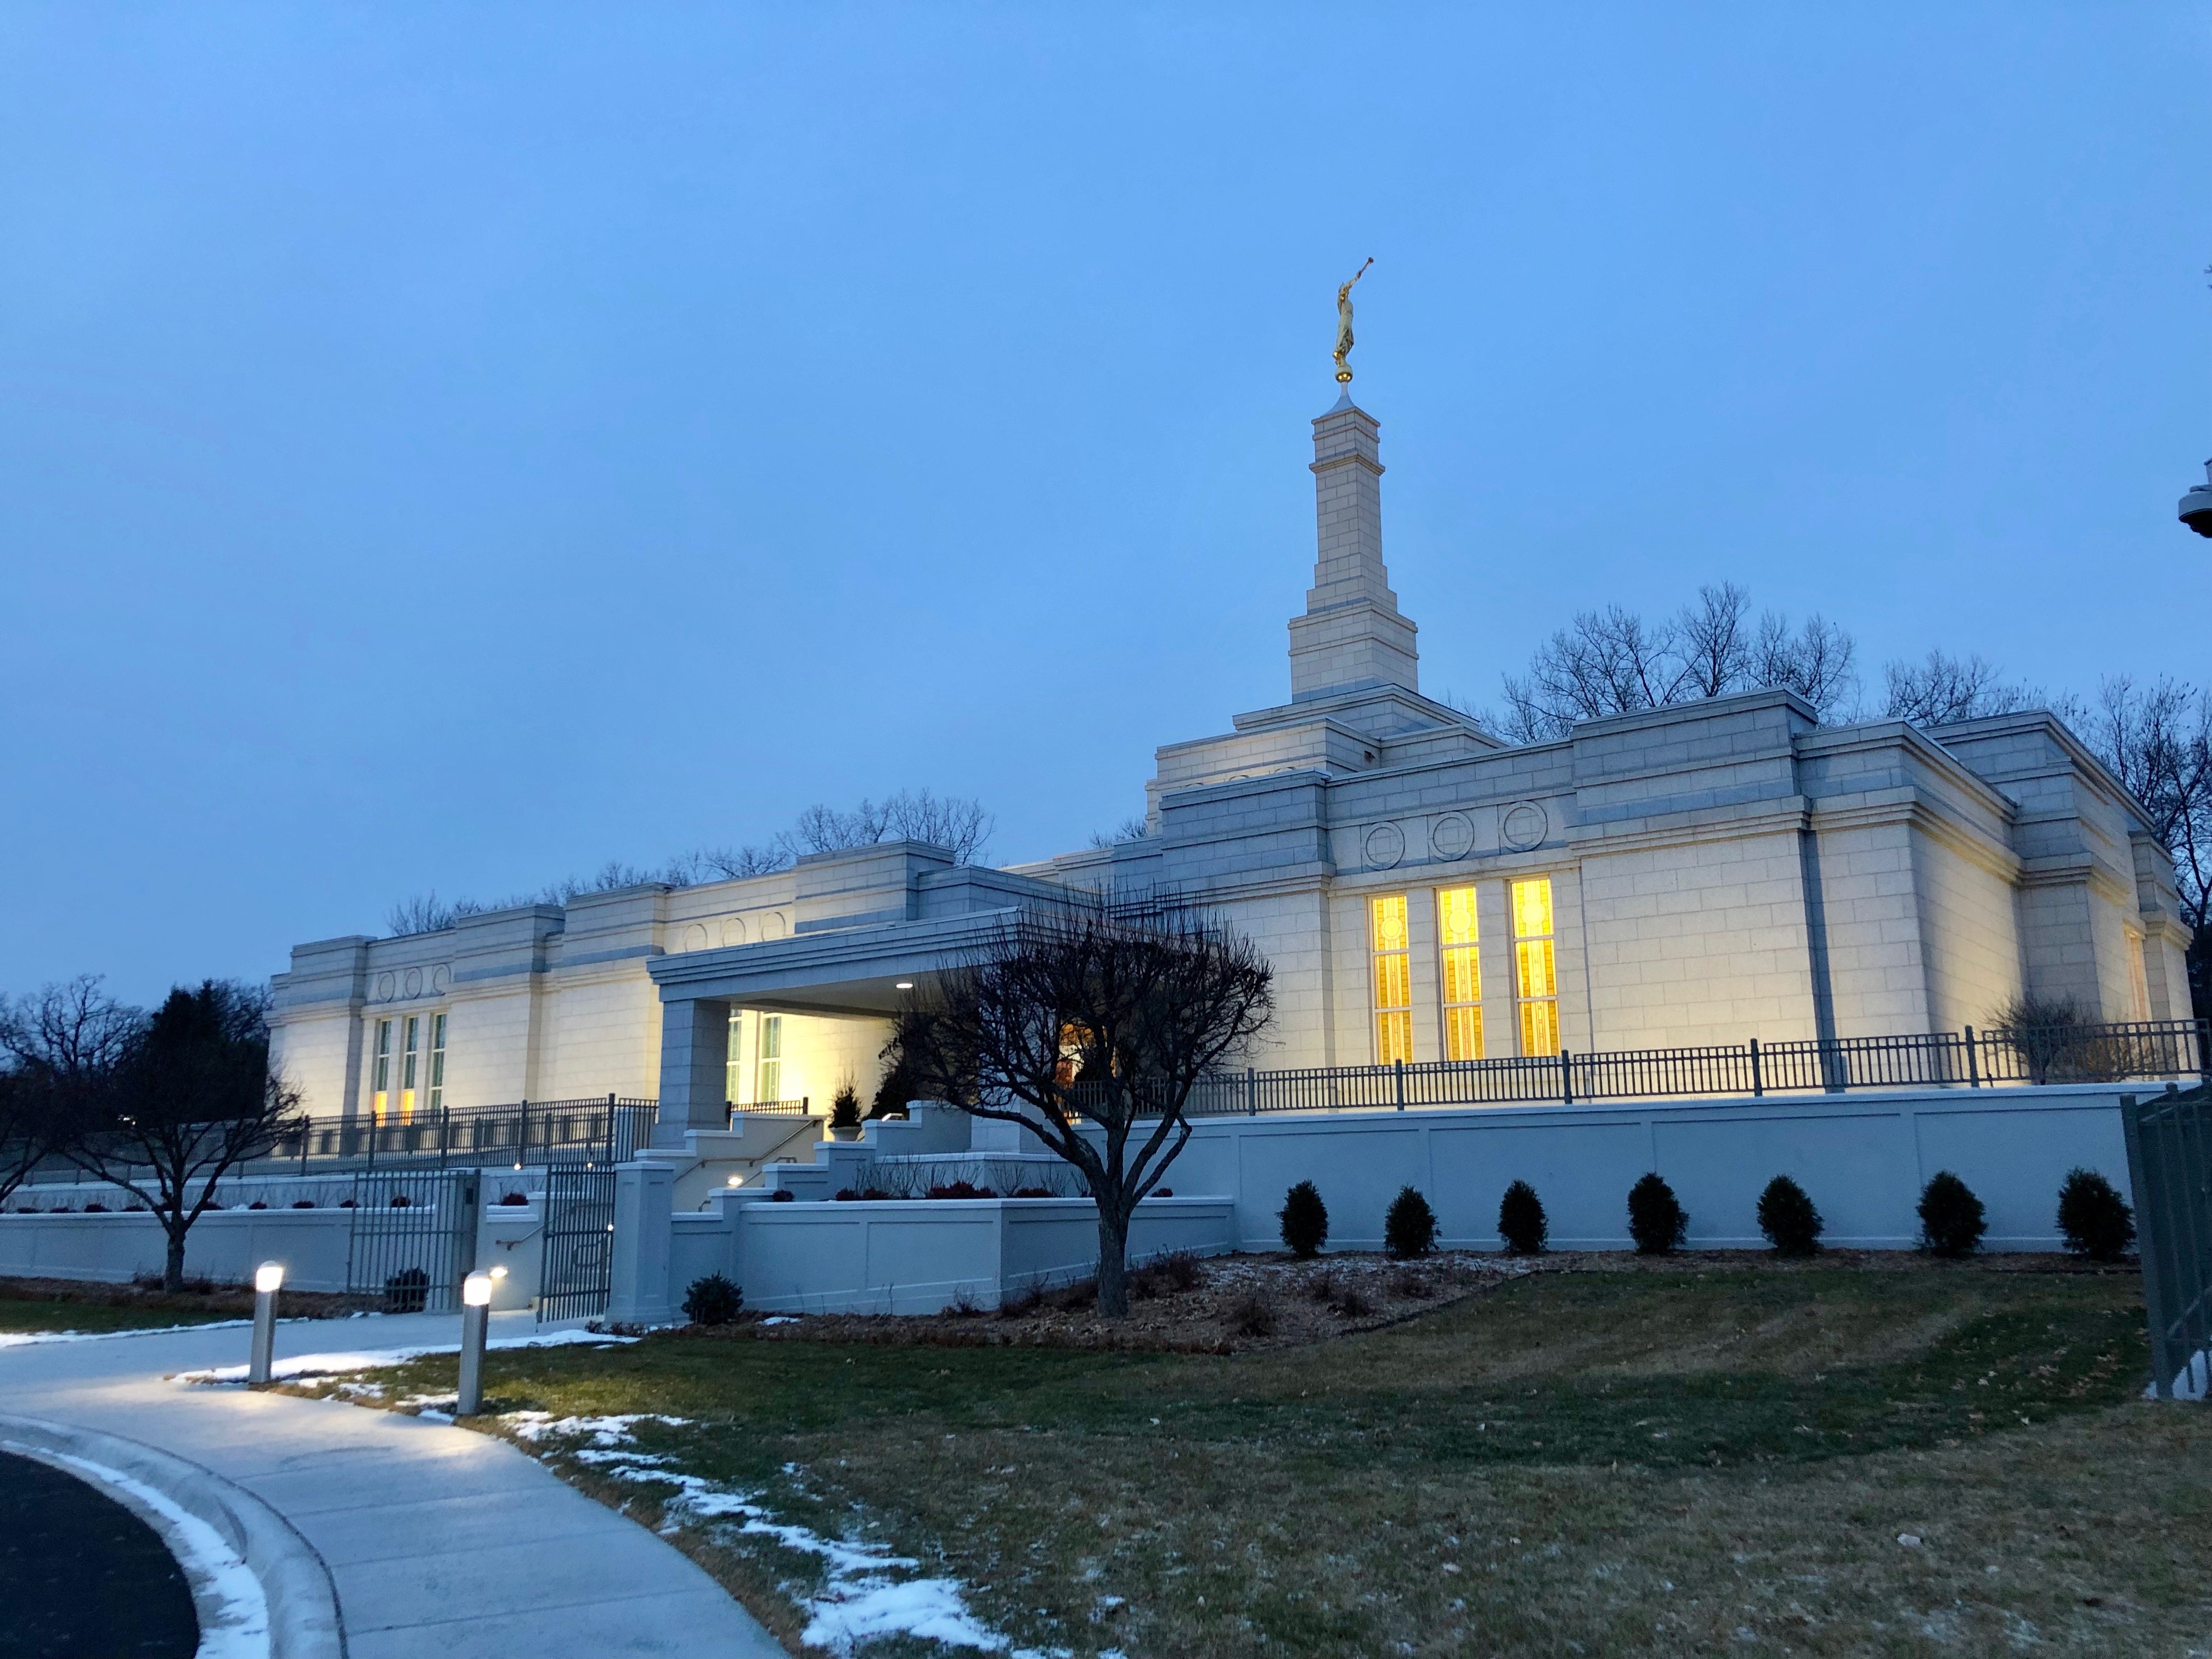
(410, 1056)
(1457, 938)
(1535, 966)
(1394, 980)
(379, 1074)
(437, 1061)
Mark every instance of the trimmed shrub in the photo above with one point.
(780, 1196)
(407, 1290)
(257, 1204)
(712, 1300)
(1521, 1221)
(962, 1189)
(845, 1108)
(1167, 1275)
(1656, 1220)
(2097, 1221)
(515, 1198)
(1788, 1217)
(303, 1203)
(1952, 1220)
(1033, 1192)
(1409, 1227)
(1305, 1221)
(846, 1195)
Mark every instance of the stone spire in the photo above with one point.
(1351, 635)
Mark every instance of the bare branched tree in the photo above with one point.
(190, 1097)
(1945, 689)
(63, 1046)
(1134, 827)
(2157, 740)
(1614, 662)
(1093, 1032)
(951, 821)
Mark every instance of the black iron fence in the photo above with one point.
(2148, 1051)
(412, 1236)
(600, 1130)
(799, 1108)
(2169, 1168)
(575, 1272)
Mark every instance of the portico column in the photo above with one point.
(695, 1052)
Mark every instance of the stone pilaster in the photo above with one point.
(1352, 635)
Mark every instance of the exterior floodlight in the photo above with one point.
(267, 1277)
(475, 1319)
(906, 985)
(736, 1180)
(499, 1272)
(2196, 504)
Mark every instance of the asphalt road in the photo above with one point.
(81, 1578)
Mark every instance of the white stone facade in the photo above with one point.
(1717, 870)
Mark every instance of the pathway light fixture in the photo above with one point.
(475, 1320)
(267, 1279)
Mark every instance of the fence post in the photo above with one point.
(1251, 1092)
(611, 1158)
(1757, 1078)
(2204, 1050)
(1398, 1071)
(1566, 1079)
(1973, 1062)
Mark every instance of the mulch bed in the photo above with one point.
(198, 1296)
(1235, 1304)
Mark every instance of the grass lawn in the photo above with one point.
(64, 1304)
(1618, 1458)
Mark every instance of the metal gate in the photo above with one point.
(577, 1272)
(2170, 1166)
(414, 1237)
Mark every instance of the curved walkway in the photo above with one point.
(439, 1539)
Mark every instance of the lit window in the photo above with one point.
(1394, 980)
(1456, 939)
(769, 1083)
(1535, 966)
(437, 1062)
(729, 1073)
(379, 1074)
(410, 1057)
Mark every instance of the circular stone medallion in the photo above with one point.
(1384, 846)
(441, 978)
(385, 987)
(1523, 827)
(413, 983)
(733, 932)
(695, 937)
(1452, 835)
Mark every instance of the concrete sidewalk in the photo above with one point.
(440, 1540)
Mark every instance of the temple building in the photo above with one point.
(1705, 872)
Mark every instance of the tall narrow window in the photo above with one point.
(768, 1085)
(411, 1055)
(437, 1062)
(1535, 966)
(379, 1074)
(731, 1075)
(1394, 980)
(1456, 940)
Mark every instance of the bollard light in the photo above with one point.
(267, 1278)
(475, 1320)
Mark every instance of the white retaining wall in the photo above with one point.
(1863, 1158)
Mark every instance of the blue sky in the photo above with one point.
(455, 446)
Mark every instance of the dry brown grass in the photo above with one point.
(1694, 1456)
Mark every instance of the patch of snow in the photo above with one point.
(865, 1594)
(26, 1339)
(365, 1360)
(240, 1629)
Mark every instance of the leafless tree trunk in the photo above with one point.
(1092, 1030)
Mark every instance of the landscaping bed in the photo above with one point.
(73, 1304)
(1606, 1456)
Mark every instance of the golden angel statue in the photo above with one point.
(1343, 326)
